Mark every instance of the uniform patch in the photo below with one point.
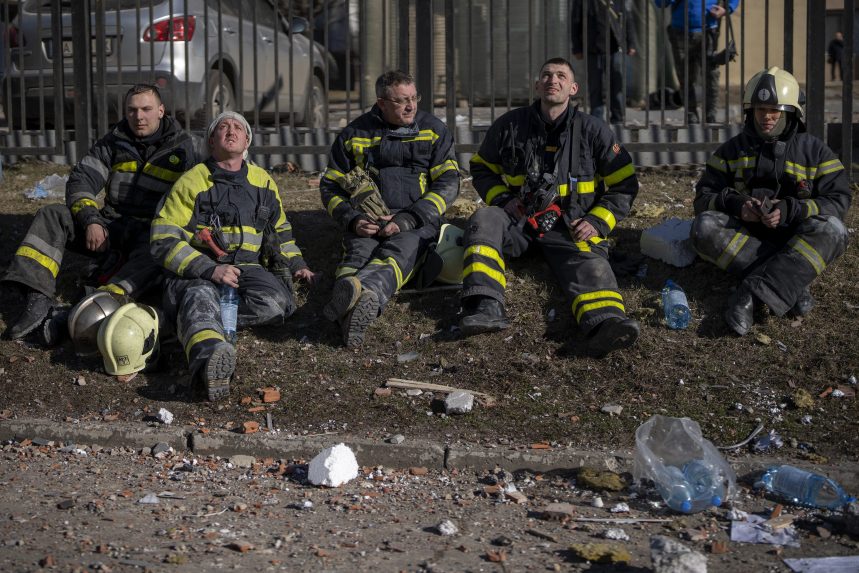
(616, 148)
(763, 94)
(173, 159)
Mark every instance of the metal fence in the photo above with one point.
(300, 70)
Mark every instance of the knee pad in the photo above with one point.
(706, 227)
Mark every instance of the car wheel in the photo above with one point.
(316, 108)
(220, 96)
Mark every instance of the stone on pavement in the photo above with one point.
(558, 511)
(333, 466)
(242, 461)
(669, 242)
(599, 480)
(397, 439)
(164, 416)
(601, 552)
(459, 402)
(669, 556)
(447, 527)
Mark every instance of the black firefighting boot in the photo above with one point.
(614, 333)
(356, 321)
(739, 313)
(219, 370)
(482, 314)
(36, 310)
(804, 303)
(344, 296)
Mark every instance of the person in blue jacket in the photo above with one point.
(702, 30)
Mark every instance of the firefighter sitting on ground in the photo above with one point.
(135, 164)
(391, 176)
(771, 203)
(555, 178)
(214, 228)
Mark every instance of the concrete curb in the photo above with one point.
(411, 453)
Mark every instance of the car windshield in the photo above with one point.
(66, 5)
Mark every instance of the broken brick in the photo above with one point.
(47, 561)
(382, 392)
(541, 446)
(418, 471)
(256, 409)
(246, 400)
(270, 395)
(240, 547)
(250, 428)
(718, 547)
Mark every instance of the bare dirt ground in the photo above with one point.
(544, 386)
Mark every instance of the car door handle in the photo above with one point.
(267, 39)
(229, 30)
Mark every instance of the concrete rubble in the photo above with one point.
(459, 402)
(164, 416)
(670, 556)
(447, 528)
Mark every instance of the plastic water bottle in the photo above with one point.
(675, 306)
(693, 488)
(229, 311)
(801, 487)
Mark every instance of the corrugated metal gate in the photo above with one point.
(473, 60)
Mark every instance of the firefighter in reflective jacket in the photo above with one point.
(771, 203)
(553, 177)
(391, 176)
(135, 164)
(213, 229)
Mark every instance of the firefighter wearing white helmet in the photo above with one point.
(771, 203)
(128, 339)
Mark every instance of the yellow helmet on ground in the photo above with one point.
(775, 88)
(86, 317)
(128, 339)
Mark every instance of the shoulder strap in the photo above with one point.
(576, 144)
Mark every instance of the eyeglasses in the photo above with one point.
(404, 101)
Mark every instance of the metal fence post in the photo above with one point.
(815, 70)
(82, 65)
(423, 55)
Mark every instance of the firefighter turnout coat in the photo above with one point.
(812, 192)
(417, 175)
(134, 173)
(243, 212)
(601, 191)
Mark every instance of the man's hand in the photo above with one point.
(750, 212)
(306, 275)
(772, 219)
(365, 228)
(390, 228)
(97, 238)
(226, 275)
(515, 208)
(717, 11)
(582, 230)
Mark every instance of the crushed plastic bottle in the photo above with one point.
(694, 488)
(802, 487)
(675, 306)
(229, 312)
(51, 187)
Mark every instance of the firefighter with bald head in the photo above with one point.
(771, 203)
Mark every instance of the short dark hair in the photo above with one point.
(142, 89)
(390, 79)
(560, 62)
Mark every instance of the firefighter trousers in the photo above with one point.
(384, 265)
(776, 265)
(581, 268)
(195, 305)
(37, 261)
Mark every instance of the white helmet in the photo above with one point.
(86, 316)
(128, 339)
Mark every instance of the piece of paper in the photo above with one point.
(754, 531)
(847, 564)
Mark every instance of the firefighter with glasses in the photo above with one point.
(771, 203)
(391, 176)
(223, 224)
(135, 164)
(555, 179)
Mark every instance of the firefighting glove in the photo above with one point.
(405, 221)
(364, 194)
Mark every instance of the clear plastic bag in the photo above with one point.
(687, 470)
(51, 187)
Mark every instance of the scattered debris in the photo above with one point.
(269, 395)
(612, 409)
(719, 547)
(845, 564)
(418, 471)
(763, 339)
(620, 508)
(459, 402)
(240, 547)
(447, 528)
(597, 502)
(767, 442)
(670, 556)
(243, 461)
(333, 466)
(414, 392)
(149, 498)
(249, 428)
(407, 357)
(802, 399)
(80, 380)
(485, 399)
(615, 534)
(397, 439)
(382, 392)
(161, 450)
(805, 420)
(601, 552)
(669, 242)
(753, 530)
(748, 439)
(517, 497)
(558, 512)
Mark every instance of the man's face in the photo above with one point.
(556, 84)
(767, 117)
(144, 114)
(400, 105)
(229, 139)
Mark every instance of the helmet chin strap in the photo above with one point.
(779, 128)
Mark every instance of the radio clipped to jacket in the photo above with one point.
(541, 198)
